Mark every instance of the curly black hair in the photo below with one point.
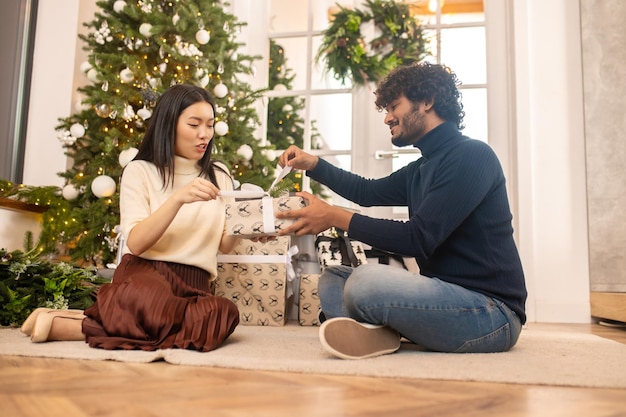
(424, 81)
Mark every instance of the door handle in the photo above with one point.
(381, 154)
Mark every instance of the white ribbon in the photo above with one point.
(265, 259)
(268, 215)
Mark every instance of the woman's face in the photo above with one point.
(194, 130)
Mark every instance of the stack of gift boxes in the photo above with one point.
(273, 281)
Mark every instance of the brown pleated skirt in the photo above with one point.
(153, 305)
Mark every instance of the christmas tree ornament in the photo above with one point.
(77, 130)
(287, 108)
(203, 36)
(126, 75)
(221, 128)
(280, 87)
(146, 29)
(144, 113)
(92, 75)
(85, 67)
(270, 154)
(103, 186)
(220, 90)
(245, 151)
(129, 113)
(103, 110)
(175, 19)
(70, 192)
(203, 81)
(119, 5)
(127, 155)
(66, 138)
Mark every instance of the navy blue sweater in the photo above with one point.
(459, 228)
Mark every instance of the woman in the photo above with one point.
(173, 225)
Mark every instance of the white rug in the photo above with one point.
(540, 357)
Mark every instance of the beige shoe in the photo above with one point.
(44, 322)
(29, 323)
(348, 339)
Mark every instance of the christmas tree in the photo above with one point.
(136, 50)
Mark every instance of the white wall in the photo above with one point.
(551, 159)
(549, 133)
(51, 90)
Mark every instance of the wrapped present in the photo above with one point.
(378, 256)
(309, 300)
(257, 278)
(255, 217)
(334, 247)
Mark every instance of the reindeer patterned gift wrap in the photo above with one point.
(257, 277)
(255, 217)
(309, 302)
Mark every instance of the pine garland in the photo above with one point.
(399, 40)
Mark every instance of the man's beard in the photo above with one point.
(412, 129)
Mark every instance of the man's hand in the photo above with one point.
(316, 217)
(297, 159)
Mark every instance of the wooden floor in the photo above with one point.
(37, 387)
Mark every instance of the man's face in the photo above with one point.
(406, 121)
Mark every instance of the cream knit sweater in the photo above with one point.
(194, 236)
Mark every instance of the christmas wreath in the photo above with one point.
(364, 45)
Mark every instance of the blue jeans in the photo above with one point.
(432, 313)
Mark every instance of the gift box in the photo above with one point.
(309, 300)
(334, 247)
(257, 278)
(255, 217)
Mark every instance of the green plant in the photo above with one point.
(28, 281)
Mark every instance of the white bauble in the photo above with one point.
(146, 29)
(270, 154)
(236, 184)
(175, 19)
(77, 130)
(280, 87)
(85, 67)
(127, 155)
(119, 5)
(221, 128)
(144, 113)
(245, 151)
(93, 76)
(203, 37)
(70, 192)
(126, 75)
(220, 90)
(287, 108)
(154, 82)
(103, 186)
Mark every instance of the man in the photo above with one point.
(470, 293)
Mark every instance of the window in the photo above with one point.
(340, 123)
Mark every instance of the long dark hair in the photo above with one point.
(424, 81)
(159, 142)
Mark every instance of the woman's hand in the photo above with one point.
(199, 189)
